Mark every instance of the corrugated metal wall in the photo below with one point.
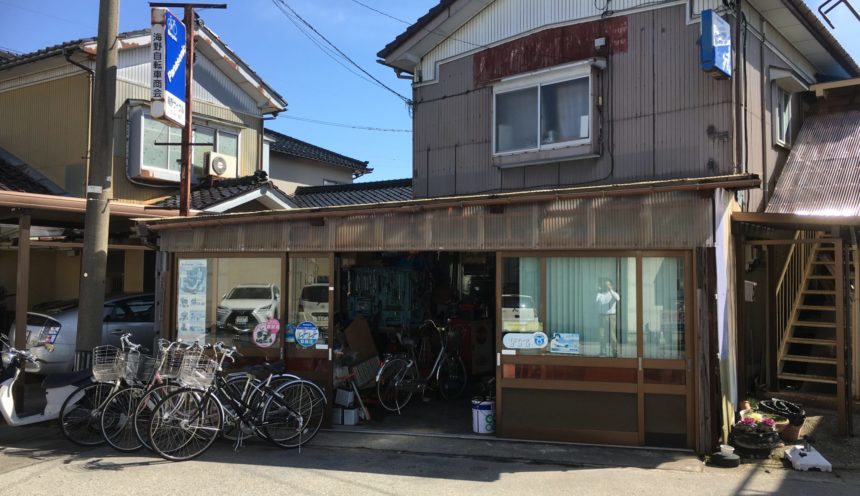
(45, 125)
(210, 84)
(504, 19)
(663, 220)
(660, 102)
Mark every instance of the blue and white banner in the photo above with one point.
(168, 68)
(716, 44)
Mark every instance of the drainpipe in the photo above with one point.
(90, 73)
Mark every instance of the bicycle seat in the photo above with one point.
(67, 379)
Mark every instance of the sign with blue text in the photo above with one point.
(307, 334)
(168, 68)
(716, 44)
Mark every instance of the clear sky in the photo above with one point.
(315, 86)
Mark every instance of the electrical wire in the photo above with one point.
(340, 52)
(340, 124)
(428, 30)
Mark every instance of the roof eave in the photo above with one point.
(407, 53)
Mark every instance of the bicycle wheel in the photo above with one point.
(81, 412)
(392, 396)
(240, 388)
(185, 424)
(292, 415)
(143, 412)
(117, 419)
(451, 377)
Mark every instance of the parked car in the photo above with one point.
(313, 304)
(247, 305)
(519, 313)
(56, 324)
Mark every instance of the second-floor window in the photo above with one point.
(543, 111)
(168, 157)
(782, 117)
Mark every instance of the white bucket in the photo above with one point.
(483, 416)
(726, 450)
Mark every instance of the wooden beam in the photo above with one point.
(23, 282)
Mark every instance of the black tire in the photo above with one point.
(392, 397)
(143, 412)
(80, 415)
(293, 414)
(452, 378)
(117, 419)
(185, 424)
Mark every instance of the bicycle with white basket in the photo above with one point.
(282, 409)
(80, 415)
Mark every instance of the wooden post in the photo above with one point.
(23, 283)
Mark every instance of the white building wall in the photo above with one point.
(288, 173)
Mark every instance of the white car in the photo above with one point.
(313, 304)
(247, 305)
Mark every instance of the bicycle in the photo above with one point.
(186, 422)
(80, 415)
(125, 414)
(399, 378)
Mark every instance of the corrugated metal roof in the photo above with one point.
(298, 148)
(353, 194)
(822, 175)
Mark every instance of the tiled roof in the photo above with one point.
(822, 175)
(59, 48)
(298, 148)
(415, 27)
(212, 192)
(15, 175)
(353, 194)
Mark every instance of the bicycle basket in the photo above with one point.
(169, 359)
(108, 363)
(197, 370)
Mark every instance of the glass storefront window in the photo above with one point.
(591, 306)
(308, 306)
(663, 310)
(522, 326)
(234, 300)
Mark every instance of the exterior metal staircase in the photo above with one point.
(806, 313)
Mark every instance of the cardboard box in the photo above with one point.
(337, 415)
(360, 339)
(350, 416)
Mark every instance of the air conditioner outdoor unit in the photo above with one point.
(220, 165)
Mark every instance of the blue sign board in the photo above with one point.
(168, 68)
(715, 46)
(307, 334)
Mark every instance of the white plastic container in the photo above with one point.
(726, 450)
(483, 416)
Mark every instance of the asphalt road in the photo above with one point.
(47, 466)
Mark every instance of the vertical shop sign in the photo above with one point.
(191, 304)
(168, 68)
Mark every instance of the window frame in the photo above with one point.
(136, 145)
(779, 111)
(537, 80)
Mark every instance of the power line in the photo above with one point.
(327, 51)
(340, 124)
(428, 30)
(341, 53)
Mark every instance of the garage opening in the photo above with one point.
(394, 370)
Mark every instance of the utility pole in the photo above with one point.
(99, 188)
(187, 131)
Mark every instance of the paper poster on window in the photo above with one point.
(563, 342)
(191, 307)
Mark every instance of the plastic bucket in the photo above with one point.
(483, 416)
(726, 450)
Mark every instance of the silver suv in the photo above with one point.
(56, 324)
